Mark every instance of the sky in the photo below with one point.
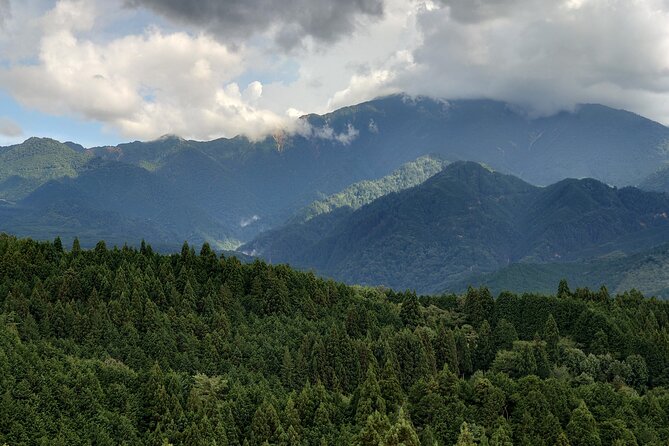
(100, 72)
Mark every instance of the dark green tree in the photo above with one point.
(582, 428)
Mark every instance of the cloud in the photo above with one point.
(9, 128)
(244, 222)
(290, 22)
(209, 69)
(5, 12)
(544, 55)
(143, 85)
(345, 137)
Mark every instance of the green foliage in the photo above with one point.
(467, 223)
(364, 192)
(126, 346)
(582, 428)
(26, 166)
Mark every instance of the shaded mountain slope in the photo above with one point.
(647, 271)
(466, 220)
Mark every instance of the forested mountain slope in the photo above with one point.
(647, 271)
(466, 220)
(359, 194)
(26, 166)
(124, 346)
(241, 187)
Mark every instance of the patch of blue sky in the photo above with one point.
(61, 128)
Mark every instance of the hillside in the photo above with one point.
(647, 272)
(126, 346)
(364, 192)
(245, 187)
(467, 220)
(26, 166)
(119, 202)
(657, 181)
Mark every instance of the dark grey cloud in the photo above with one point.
(291, 20)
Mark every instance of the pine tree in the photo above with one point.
(391, 389)
(464, 354)
(563, 290)
(505, 335)
(287, 369)
(370, 399)
(265, 424)
(485, 351)
(410, 312)
(446, 351)
(465, 438)
(582, 428)
(402, 433)
(552, 337)
(562, 440)
(76, 247)
(502, 435)
(58, 245)
(374, 430)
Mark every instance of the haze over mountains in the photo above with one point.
(228, 191)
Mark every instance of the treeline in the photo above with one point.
(127, 346)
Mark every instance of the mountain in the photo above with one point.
(26, 166)
(658, 181)
(364, 192)
(242, 187)
(467, 220)
(118, 202)
(647, 272)
(285, 172)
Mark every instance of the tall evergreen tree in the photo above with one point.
(552, 336)
(466, 438)
(582, 428)
(410, 312)
(563, 290)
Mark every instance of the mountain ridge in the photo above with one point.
(247, 187)
(466, 220)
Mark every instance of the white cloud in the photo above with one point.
(544, 55)
(5, 12)
(143, 85)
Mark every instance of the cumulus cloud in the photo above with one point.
(206, 71)
(545, 55)
(9, 128)
(290, 22)
(143, 85)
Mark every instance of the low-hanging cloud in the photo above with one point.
(290, 21)
(545, 55)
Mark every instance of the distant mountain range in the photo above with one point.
(468, 220)
(230, 191)
(646, 271)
